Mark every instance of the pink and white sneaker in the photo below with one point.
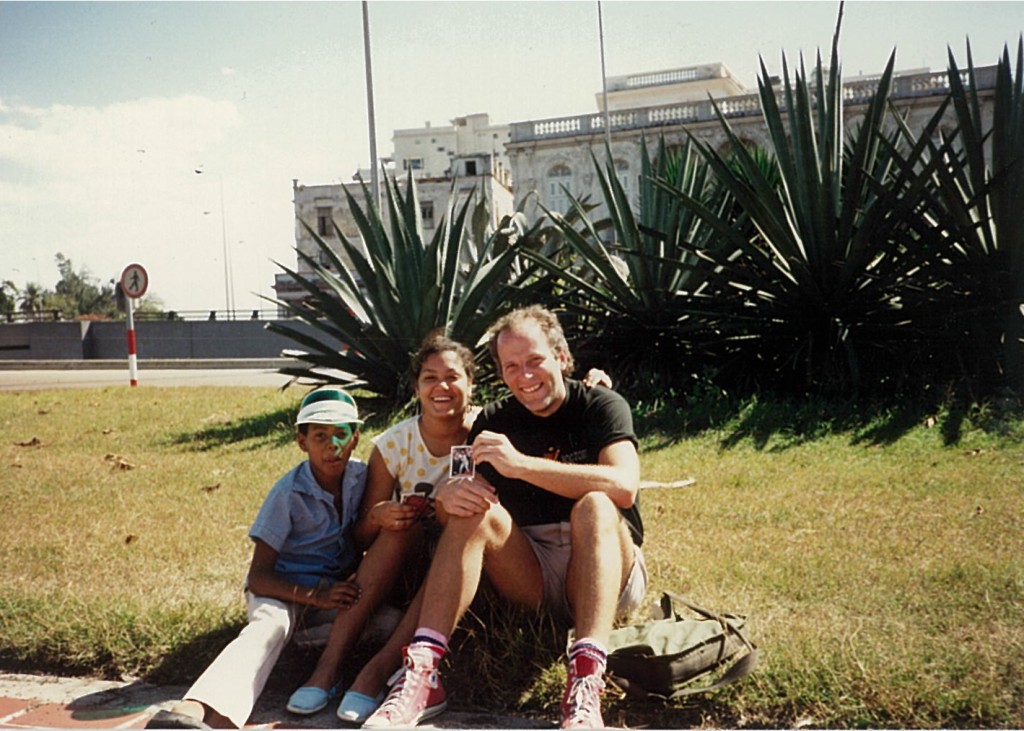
(416, 692)
(581, 704)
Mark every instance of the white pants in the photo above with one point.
(235, 679)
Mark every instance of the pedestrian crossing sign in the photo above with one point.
(134, 281)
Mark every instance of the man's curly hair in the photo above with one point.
(549, 325)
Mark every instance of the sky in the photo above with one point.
(107, 109)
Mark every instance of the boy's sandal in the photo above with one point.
(356, 707)
(170, 719)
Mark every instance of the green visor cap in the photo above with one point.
(328, 405)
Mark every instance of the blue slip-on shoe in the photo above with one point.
(356, 707)
(309, 699)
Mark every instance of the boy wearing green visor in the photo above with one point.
(302, 571)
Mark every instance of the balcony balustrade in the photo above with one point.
(746, 105)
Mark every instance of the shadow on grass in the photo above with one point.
(768, 424)
(271, 429)
(500, 655)
(778, 425)
(17, 660)
(183, 664)
(513, 661)
(775, 425)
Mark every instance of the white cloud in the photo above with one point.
(109, 185)
(64, 141)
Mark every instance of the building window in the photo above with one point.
(413, 163)
(558, 179)
(323, 221)
(470, 167)
(427, 213)
(622, 173)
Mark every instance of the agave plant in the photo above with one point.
(978, 176)
(406, 288)
(833, 292)
(632, 301)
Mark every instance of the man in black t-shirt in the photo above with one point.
(551, 515)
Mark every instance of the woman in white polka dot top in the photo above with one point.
(406, 464)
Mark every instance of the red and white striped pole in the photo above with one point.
(133, 373)
(134, 283)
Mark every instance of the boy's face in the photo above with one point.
(329, 447)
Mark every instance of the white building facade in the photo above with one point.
(470, 154)
(550, 156)
(535, 162)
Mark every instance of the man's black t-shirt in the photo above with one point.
(586, 422)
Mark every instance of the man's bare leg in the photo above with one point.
(602, 557)
(466, 546)
(452, 582)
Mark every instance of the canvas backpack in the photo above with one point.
(663, 658)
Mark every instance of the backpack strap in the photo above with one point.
(669, 599)
(739, 669)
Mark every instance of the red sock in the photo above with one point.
(587, 656)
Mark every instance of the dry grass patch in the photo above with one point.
(883, 582)
(882, 578)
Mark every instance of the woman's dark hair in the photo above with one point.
(437, 342)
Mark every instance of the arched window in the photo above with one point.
(559, 175)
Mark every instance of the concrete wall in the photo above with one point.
(155, 340)
(43, 340)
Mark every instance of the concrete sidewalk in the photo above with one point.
(37, 701)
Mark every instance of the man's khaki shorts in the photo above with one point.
(552, 546)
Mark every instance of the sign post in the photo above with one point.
(134, 283)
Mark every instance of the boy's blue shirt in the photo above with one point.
(299, 521)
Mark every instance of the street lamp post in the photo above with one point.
(229, 295)
(604, 83)
(374, 170)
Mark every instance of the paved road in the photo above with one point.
(50, 379)
(36, 375)
(40, 701)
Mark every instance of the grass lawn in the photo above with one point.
(883, 576)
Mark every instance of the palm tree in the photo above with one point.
(32, 299)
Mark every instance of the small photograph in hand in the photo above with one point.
(462, 461)
(420, 502)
